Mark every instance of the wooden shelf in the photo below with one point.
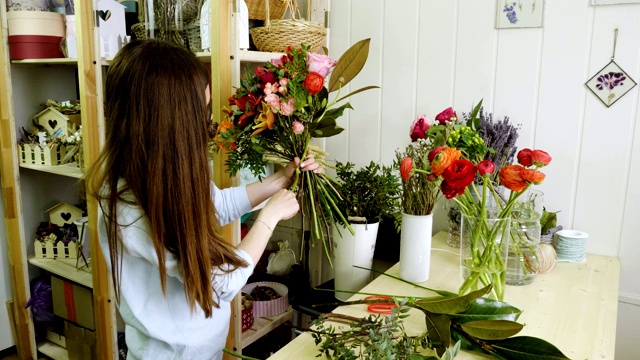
(56, 352)
(261, 326)
(55, 61)
(258, 56)
(64, 170)
(65, 268)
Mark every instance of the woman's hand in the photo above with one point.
(308, 164)
(283, 205)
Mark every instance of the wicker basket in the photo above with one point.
(257, 9)
(277, 35)
(190, 33)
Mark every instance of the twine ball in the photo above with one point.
(547, 258)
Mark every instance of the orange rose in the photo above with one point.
(443, 159)
(511, 177)
(533, 176)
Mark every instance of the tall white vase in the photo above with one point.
(415, 247)
(352, 250)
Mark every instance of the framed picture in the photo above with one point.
(519, 14)
(610, 84)
(614, 2)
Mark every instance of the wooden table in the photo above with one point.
(573, 307)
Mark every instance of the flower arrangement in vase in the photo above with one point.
(279, 109)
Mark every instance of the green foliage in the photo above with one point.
(369, 192)
(548, 220)
(485, 326)
(349, 65)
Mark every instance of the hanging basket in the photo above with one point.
(277, 35)
(257, 9)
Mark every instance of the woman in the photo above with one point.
(158, 227)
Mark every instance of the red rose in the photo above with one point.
(458, 176)
(268, 78)
(433, 153)
(486, 167)
(313, 83)
(533, 176)
(511, 177)
(524, 157)
(540, 158)
(419, 127)
(447, 115)
(405, 168)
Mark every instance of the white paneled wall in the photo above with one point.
(427, 55)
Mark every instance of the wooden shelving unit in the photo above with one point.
(65, 268)
(54, 351)
(262, 326)
(64, 170)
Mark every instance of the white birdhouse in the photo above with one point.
(64, 213)
(56, 123)
(111, 21)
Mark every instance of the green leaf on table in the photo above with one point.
(527, 348)
(438, 331)
(451, 305)
(465, 343)
(492, 329)
(486, 309)
(349, 65)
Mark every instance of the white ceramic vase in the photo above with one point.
(350, 250)
(415, 247)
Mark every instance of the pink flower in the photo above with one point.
(319, 63)
(298, 128)
(270, 88)
(419, 127)
(283, 85)
(486, 167)
(273, 101)
(286, 107)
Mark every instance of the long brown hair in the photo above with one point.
(156, 119)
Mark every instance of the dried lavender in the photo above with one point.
(498, 135)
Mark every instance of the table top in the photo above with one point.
(574, 307)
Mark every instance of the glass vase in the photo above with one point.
(522, 265)
(453, 221)
(484, 249)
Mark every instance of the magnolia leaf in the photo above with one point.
(349, 65)
(358, 91)
(439, 331)
(327, 132)
(451, 305)
(465, 343)
(486, 309)
(333, 114)
(527, 348)
(492, 329)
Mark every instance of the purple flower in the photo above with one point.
(511, 13)
(610, 80)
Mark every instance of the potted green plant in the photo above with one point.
(368, 194)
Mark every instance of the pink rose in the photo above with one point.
(447, 115)
(273, 101)
(319, 63)
(286, 107)
(419, 127)
(298, 128)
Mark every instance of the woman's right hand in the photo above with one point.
(283, 205)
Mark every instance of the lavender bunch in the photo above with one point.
(498, 135)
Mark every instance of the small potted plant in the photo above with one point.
(368, 194)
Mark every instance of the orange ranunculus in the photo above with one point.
(225, 138)
(511, 177)
(443, 159)
(405, 168)
(313, 83)
(533, 176)
(265, 120)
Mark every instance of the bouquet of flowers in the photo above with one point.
(279, 109)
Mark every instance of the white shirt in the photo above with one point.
(160, 327)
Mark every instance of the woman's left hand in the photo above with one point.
(308, 164)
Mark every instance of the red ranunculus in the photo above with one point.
(540, 158)
(533, 176)
(447, 115)
(433, 153)
(448, 191)
(458, 176)
(268, 78)
(524, 157)
(419, 127)
(511, 177)
(486, 167)
(313, 83)
(405, 168)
